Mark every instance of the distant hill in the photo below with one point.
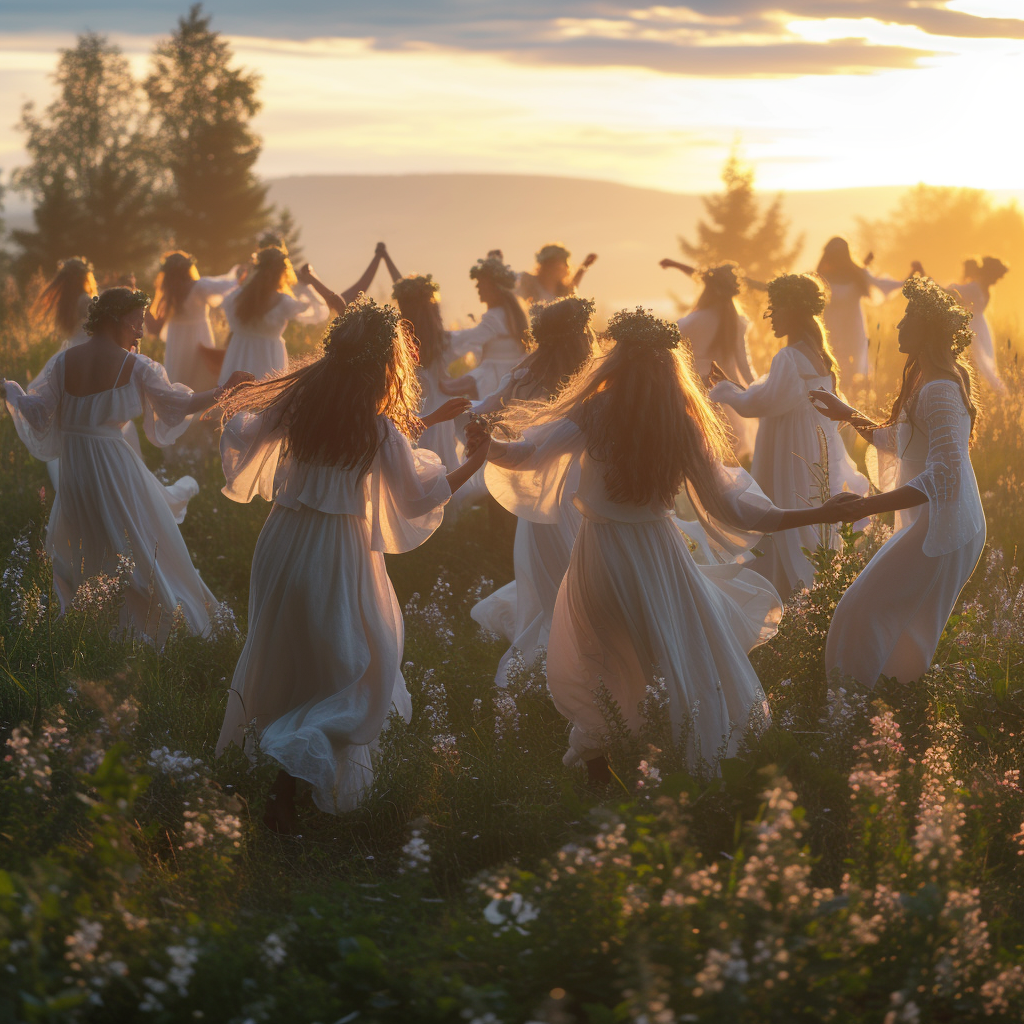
(441, 223)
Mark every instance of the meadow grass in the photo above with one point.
(858, 861)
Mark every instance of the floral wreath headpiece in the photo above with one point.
(936, 307)
(364, 333)
(177, 258)
(76, 263)
(560, 317)
(113, 304)
(552, 251)
(715, 275)
(493, 268)
(415, 286)
(641, 327)
(802, 292)
(270, 255)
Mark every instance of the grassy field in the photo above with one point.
(859, 861)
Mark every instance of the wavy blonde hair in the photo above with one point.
(58, 301)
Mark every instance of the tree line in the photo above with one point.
(122, 169)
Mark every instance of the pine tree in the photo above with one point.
(92, 174)
(216, 205)
(737, 229)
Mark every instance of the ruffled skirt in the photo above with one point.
(635, 607)
(321, 666)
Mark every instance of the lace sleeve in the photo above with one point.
(164, 405)
(779, 390)
(954, 505)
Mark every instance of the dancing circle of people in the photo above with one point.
(636, 525)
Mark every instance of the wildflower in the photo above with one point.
(177, 764)
(183, 959)
(510, 911)
(83, 943)
(416, 853)
(273, 951)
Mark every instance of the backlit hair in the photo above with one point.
(272, 274)
(174, 281)
(59, 302)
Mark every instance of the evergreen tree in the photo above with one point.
(738, 229)
(216, 205)
(283, 226)
(92, 174)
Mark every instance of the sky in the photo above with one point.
(817, 94)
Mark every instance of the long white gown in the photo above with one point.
(634, 605)
(847, 331)
(787, 447)
(981, 351)
(890, 620)
(258, 347)
(321, 666)
(109, 503)
(187, 331)
(496, 351)
(699, 329)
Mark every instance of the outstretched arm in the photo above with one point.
(389, 262)
(582, 269)
(204, 399)
(666, 264)
(307, 275)
(457, 477)
(368, 275)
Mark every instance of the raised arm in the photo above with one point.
(582, 269)
(368, 275)
(667, 264)
(395, 273)
(335, 302)
(778, 391)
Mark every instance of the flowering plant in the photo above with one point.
(802, 292)
(493, 268)
(934, 305)
(641, 327)
(415, 287)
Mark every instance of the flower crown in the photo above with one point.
(715, 275)
(415, 287)
(113, 304)
(364, 333)
(269, 256)
(552, 251)
(641, 327)
(76, 263)
(934, 305)
(493, 268)
(802, 292)
(560, 318)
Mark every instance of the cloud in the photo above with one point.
(701, 37)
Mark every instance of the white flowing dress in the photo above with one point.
(321, 666)
(109, 503)
(258, 347)
(699, 329)
(890, 620)
(787, 446)
(496, 351)
(844, 320)
(187, 331)
(634, 605)
(981, 351)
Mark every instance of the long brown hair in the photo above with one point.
(720, 296)
(59, 301)
(837, 265)
(178, 271)
(494, 269)
(944, 326)
(644, 414)
(564, 342)
(271, 275)
(416, 296)
(330, 405)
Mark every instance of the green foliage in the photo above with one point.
(203, 107)
(91, 173)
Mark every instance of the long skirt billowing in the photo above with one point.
(889, 622)
(321, 666)
(635, 608)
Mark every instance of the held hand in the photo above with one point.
(449, 410)
(831, 406)
(477, 434)
(718, 376)
(477, 455)
(380, 250)
(238, 377)
(842, 508)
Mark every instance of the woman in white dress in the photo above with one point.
(973, 294)
(889, 622)
(717, 333)
(521, 611)
(180, 314)
(260, 310)
(329, 444)
(634, 605)
(501, 338)
(552, 277)
(109, 505)
(788, 441)
(850, 284)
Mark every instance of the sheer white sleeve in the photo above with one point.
(250, 448)
(744, 513)
(473, 339)
(213, 289)
(955, 515)
(408, 491)
(36, 413)
(502, 397)
(165, 415)
(534, 476)
(311, 307)
(881, 458)
(779, 390)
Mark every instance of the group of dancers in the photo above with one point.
(633, 552)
